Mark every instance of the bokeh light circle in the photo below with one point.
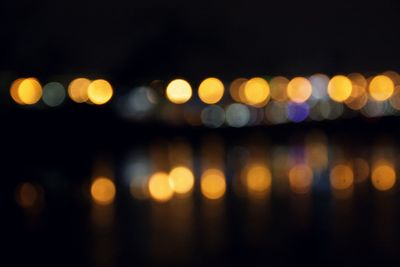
(179, 91)
(237, 115)
(256, 91)
(211, 90)
(100, 92)
(181, 179)
(381, 88)
(383, 177)
(29, 91)
(299, 89)
(213, 184)
(53, 94)
(341, 177)
(160, 187)
(78, 90)
(103, 190)
(339, 88)
(258, 178)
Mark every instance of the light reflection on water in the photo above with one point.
(252, 193)
(254, 167)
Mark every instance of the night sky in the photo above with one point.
(116, 40)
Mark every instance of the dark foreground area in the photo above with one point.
(353, 221)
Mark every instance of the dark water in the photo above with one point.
(305, 220)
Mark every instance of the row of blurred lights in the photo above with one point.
(273, 100)
(252, 101)
(180, 181)
(171, 170)
(28, 91)
(258, 91)
(255, 91)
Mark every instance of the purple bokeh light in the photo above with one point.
(297, 112)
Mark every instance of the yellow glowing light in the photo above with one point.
(211, 90)
(179, 91)
(29, 91)
(299, 89)
(258, 178)
(27, 195)
(181, 179)
(103, 190)
(300, 178)
(235, 87)
(340, 88)
(213, 184)
(14, 91)
(256, 91)
(241, 95)
(100, 92)
(383, 177)
(381, 88)
(279, 88)
(341, 177)
(78, 90)
(159, 187)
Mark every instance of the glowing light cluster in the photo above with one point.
(78, 90)
(248, 101)
(301, 169)
(316, 97)
(99, 92)
(256, 92)
(162, 186)
(181, 179)
(26, 91)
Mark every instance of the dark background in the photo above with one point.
(124, 43)
(130, 45)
